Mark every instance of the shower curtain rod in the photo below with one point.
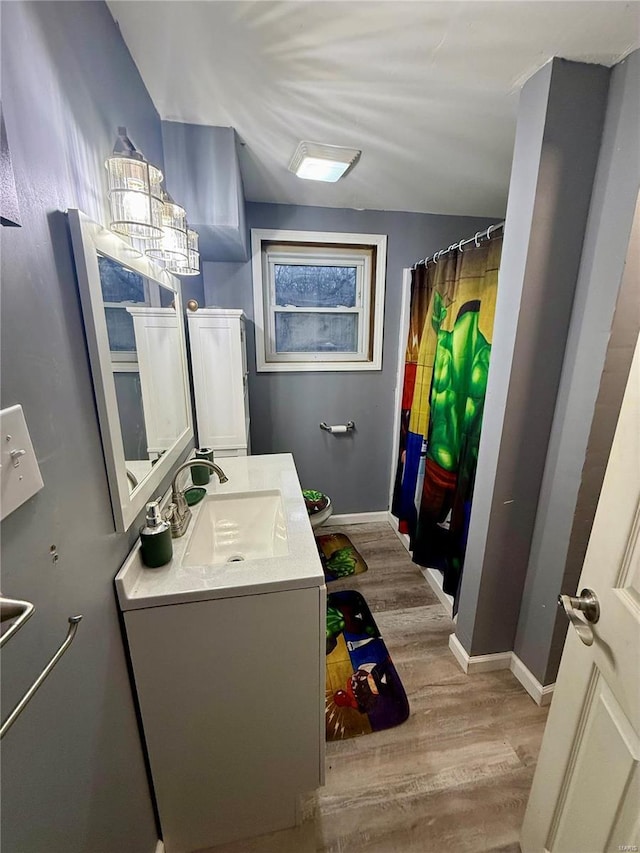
(477, 237)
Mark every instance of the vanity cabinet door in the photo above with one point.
(231, 694)
(218, 356)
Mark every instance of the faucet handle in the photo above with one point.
(178, 517)
(170, 512)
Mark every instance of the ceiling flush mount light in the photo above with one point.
(315, 161)
(135, 194)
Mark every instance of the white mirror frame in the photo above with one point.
(88, 239)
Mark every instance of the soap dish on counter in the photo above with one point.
(194, 495)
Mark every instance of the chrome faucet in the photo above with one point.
(178, 513)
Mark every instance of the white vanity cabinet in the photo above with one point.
(217, 341)
(228, 693)
(228, 660)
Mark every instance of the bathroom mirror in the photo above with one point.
(135, 334)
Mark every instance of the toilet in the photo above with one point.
(318, 506)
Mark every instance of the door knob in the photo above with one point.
(585, 603)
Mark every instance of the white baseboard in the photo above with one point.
(358, 518)
(393, 521)
(477, 663)
(540, 694)
(459, 652)
(432, 576)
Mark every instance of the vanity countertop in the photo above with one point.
(138, 586)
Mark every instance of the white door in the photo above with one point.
(586, 790)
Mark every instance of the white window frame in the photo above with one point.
(332, 249)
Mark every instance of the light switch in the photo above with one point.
(19, 472)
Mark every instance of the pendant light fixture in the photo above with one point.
(192, 265)
(172, 246)
(135, 194)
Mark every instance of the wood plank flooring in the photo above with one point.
(456, 775)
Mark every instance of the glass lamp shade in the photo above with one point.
(135, 197)
(172, 246)
(138, 247)
(192, 265)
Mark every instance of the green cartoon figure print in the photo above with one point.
(457, 394)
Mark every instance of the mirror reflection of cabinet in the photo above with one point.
(164, 399)
(217, 341)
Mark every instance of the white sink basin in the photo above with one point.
(238, 527)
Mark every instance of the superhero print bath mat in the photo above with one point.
(364, 693)
(339, 557)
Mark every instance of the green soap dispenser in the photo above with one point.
(156, 546)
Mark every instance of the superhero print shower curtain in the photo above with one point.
(446, 369)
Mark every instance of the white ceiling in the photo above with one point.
(427, 90)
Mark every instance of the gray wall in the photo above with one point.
(560, 121)
(286, 408)
(73, 774)
(203, 172)
(541, 532)
(568, 469)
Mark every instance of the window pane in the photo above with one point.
(315, 286)
(120, 330)
(316, 332)
(118, 283)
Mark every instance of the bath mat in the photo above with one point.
(339, 557)
(364, 693)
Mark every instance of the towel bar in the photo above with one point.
(13, 608)
(28, 696)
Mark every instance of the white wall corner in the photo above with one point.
(540, 694)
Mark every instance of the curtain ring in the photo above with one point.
(435, 258)
(489, 230)
(460, 244)
(476, 240)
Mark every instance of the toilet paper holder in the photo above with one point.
(337, 428)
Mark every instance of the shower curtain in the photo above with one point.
(446, 369)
